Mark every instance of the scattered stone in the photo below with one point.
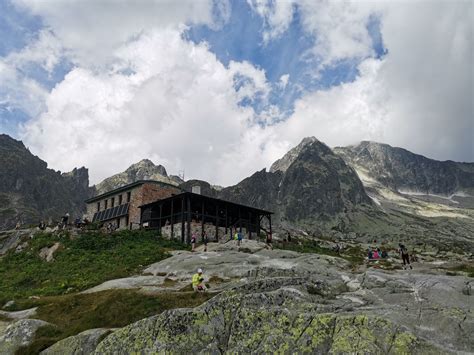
(9, 304)
(26, 313)
(81, 344)
(47, 253)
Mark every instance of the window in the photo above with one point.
(105, 207)
(112, 202)
(129, 196)
(118, 223)
(120, 199)
(98, 206)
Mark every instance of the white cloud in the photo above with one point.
(178, 102)
(92, 30)
(277, 15)
(284, 81)
(418, 97)
(139, 90)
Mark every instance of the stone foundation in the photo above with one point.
(196, 229)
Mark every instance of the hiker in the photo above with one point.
(237, 237)
(405, 256)
(375, 254)
(18, 225)
(269, 241)
(193, 242)
(205, 240)
(42, 225)
(369, 254)
(240, 236)
(198, 282)
(384, 254)
(64, 220)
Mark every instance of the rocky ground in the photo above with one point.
(283, 301)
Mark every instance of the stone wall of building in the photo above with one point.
(147, 193)
(196, 229)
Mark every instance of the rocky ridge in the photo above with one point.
(29, 191)
(310, 183)
(404, 171)
(143, 170)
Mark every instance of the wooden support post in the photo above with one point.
(226, 220)
(248, 226)
(202, 218)
(182, 219)
(240, 222)
(258, 227)
(188, 220)
(217, 222)
(172, 221)
(161, 213)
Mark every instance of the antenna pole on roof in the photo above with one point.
(181, 174)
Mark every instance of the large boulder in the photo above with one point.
(19, 334)
(268, 315)
(81, 344)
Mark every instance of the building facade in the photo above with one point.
(121, 207)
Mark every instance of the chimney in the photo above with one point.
(196, 189)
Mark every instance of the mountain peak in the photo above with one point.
(284, 163)
(145, 169)
(147, 165)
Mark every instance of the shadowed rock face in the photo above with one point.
(29, 191)
(309, 182)
(400, 169)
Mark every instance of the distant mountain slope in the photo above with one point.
(308, 185)
(143, 170)
(404, 171)
(29, 191)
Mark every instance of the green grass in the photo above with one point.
(467, 268)
(81, 262)
(72, 314)
(355, 255)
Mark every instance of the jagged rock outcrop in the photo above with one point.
(29, 191)
(402, 170)
(143, 170)
(309, 183)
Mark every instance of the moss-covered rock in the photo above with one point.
(80, 344)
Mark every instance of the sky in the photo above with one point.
(220, 89)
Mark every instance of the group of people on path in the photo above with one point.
(376, 254)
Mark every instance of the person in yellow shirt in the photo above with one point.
(198, 282)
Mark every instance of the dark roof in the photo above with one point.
(127, 187)
(186, 193)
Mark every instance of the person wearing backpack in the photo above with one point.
(405, 256)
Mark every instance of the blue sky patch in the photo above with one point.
(241, 39)
(17, 29)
